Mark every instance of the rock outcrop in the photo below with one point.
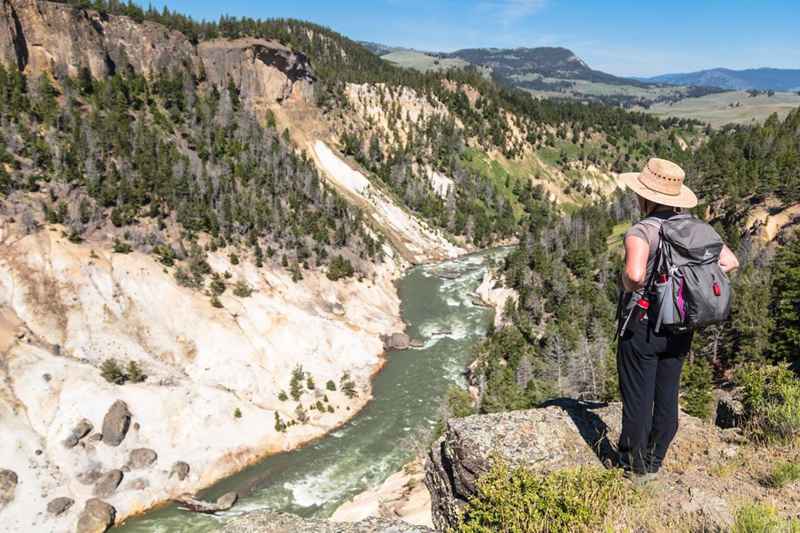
(97, 516)
(569, 434)
(223, 503)
(141, 458)
(268, 522)
(81, 430)
(39, 36)
(116, 423)
(59, 506)
(108, 483)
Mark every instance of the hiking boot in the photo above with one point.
(640, 479)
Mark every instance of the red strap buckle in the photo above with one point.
(717, 289)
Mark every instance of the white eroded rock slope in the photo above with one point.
(65, 309)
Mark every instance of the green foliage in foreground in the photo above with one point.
(783, 474)
(517, 500)
(763, 518)
(696, 380)
(771, 398)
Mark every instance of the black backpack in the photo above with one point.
(687, 288)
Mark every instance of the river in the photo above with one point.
(375, 443)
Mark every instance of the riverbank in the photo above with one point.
(314, 480)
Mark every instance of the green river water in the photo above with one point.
(316, 479)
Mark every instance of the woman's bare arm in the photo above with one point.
(637, 250)
(727, 260)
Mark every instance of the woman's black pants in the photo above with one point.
(649, 367)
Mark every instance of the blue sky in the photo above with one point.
(623, 37)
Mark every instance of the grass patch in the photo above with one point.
(762, 518)
(783, 474)
(499, 175)
(771, 399)
(518, 500)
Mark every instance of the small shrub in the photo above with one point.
(310, 385)
(237, 413)
(771, 400)
(135, 373)
(217, 286)
(301, 415)
(234, 259)
(296, 384)
(762, 518)
(242, 289)
(320, 406)
(282, 396)
(348, 386)
(519, 500)
(122, 247)
(330, 408)
(280, 425)
(697, 398)
(113, 372)
(330, 385)
(215, 302)
(339, 268)
(783, 474)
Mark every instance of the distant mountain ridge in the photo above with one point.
(527, 66)
(762, 79)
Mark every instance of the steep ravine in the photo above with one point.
(314, 480)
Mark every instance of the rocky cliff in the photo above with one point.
(39, 36)
(708, 472)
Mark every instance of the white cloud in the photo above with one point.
(510, 11)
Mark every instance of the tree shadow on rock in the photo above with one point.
(591, 427)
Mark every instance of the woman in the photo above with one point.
(649, 363)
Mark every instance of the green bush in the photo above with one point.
(242, 289)
(330, 385)
(122, 247)
(135, 373)
(771, 400)
(296, 383)
(783, 474)
(697, 396)
(112, 372)
(237, 413)
(518, 500)
(348, 386)
(762, 518)
(282, 396)
(339, 268)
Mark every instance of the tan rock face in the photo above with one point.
(48, 37)
(264, 71)
(59, 39)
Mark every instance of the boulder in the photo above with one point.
(59, 506)
(78, 432)
(97, 516)
(116, 423)
(180, 470)
(142, 458)
(729, 410)
(8, 486)
(269, 522)
(138, 484)
(397, 341)
(223, 503)
(569, 434)
(107, 484)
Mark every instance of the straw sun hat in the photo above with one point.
(661, 181)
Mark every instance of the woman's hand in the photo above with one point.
(727, 261)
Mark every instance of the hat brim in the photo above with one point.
(686, 199)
